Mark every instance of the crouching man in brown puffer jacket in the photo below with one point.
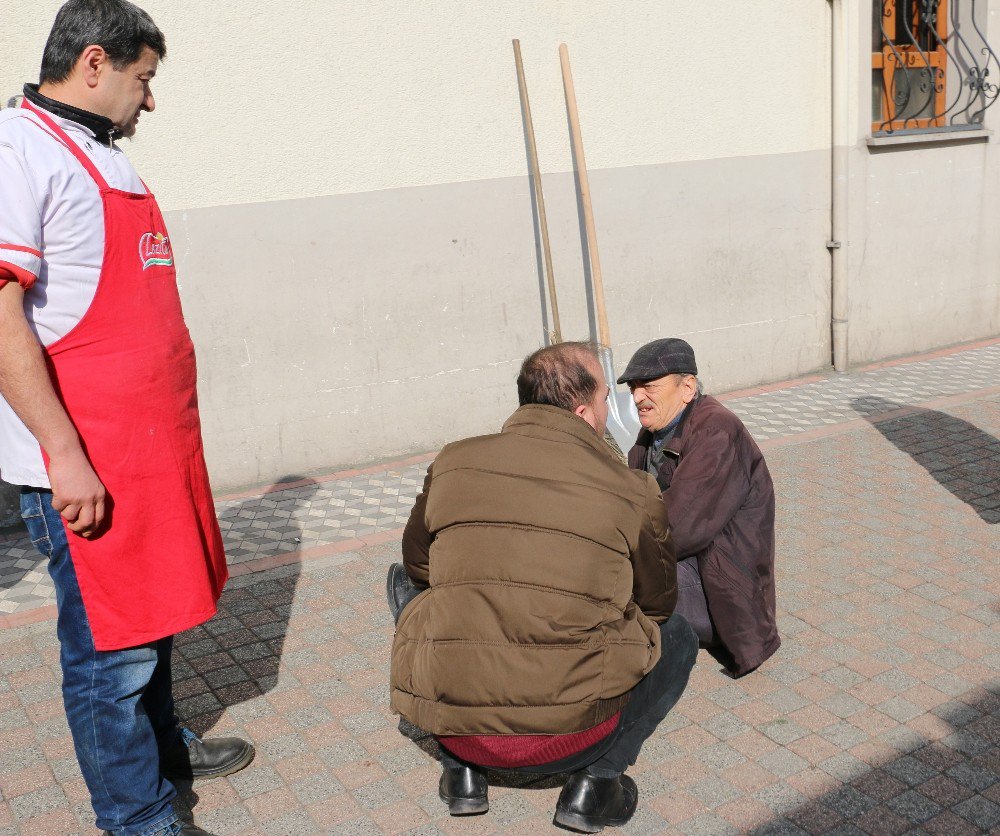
(534, 616)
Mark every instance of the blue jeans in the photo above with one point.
(119, 703)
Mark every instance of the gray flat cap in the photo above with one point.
(660, 358)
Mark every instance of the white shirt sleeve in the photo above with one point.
(20, 219)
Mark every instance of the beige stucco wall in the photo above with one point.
(346, 190)
(261, 101)
(346, 187)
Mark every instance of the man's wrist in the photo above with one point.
(64, 449)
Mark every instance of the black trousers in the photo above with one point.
(649, 703)
(691, 601)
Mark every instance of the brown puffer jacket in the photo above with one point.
(548, 562)
(720, 498)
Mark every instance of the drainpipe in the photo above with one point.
(838, 183)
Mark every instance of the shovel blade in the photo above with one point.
(623, 420)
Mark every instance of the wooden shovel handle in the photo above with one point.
(536, 177)
(604, 335)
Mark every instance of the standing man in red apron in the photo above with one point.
(99, 417)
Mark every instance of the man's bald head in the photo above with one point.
(559, 375)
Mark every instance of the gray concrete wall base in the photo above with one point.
(341, 330)
(348, 328)
(922, 260)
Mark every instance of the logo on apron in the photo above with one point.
(154, 249)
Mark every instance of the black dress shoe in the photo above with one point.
(464, 790)
(205, 758)
(589, 804)
(399, 589)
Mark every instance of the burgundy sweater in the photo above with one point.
(509, 751)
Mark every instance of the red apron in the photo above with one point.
(126, 376)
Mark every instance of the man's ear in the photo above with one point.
(91, 63)
(585, 412)
(690, 385)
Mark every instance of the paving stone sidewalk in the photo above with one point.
(880, 714)
(320, 512)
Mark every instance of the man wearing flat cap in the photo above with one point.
(720, 501)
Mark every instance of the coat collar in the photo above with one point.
(101, 127)
(542, 420)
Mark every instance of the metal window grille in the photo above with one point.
(931, 66)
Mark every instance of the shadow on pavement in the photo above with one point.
(936, 786)
(960, 456)
(235, 656)
(11, 574)
(13, 535)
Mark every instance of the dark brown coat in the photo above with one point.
(549, 562)
(720, 500)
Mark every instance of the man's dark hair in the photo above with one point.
(557, 376)
(119, 27)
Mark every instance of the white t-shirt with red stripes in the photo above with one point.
(52, 236)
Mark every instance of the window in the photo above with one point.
(930, 66)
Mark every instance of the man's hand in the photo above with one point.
(25, 383)
(77, 493)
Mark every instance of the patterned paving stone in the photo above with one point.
(320, 513)
(276, 523)
(843, 398)
(880, 714)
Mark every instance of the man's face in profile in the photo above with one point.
(126, 92)
(660, 401)
(599, 403)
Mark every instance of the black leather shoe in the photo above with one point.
(205, 758)
(589, 804)
(464, 790)
(186, 829)
(399, 589)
